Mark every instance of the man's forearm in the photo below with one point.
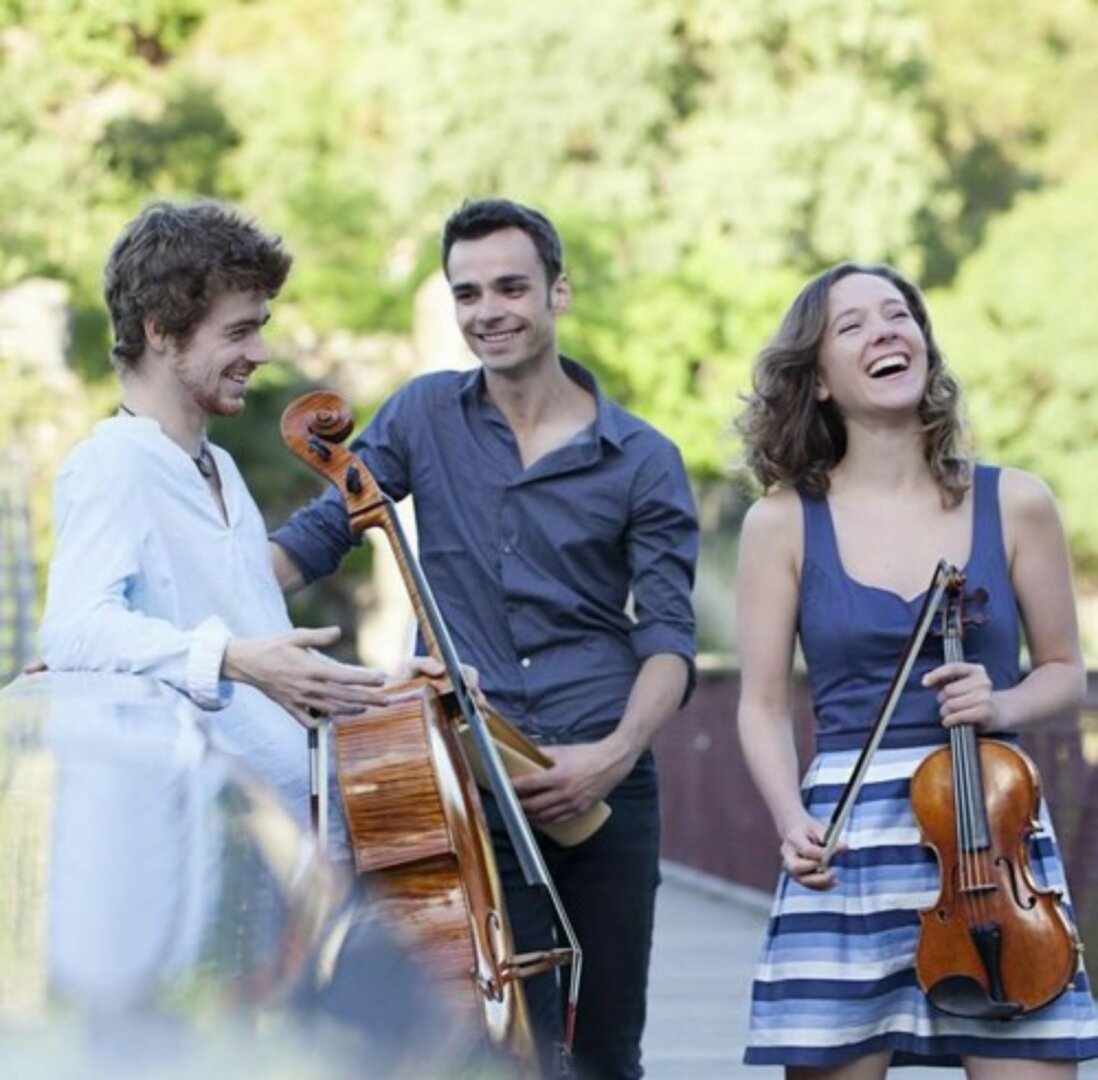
(656, 695)
(289, 577)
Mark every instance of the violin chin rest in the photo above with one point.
(960, 995)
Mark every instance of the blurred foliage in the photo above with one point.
(1022, 323)
(701, 158)
(41, 417)
(180, 149)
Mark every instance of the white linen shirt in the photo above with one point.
(147, 577)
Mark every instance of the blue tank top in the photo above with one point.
(853, 635)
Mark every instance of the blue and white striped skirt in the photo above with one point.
(836, 979)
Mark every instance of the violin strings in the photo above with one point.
(972, 860)
(975, 857)
(964, 822)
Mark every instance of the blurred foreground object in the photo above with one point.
(16, 568)
(161, 913)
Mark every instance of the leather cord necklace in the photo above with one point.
(203, 460)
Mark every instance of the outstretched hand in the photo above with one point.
(305, 683)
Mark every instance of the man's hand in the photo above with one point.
(417, 668)
(305, 683)
(581, 775)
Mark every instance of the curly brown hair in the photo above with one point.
(793, 439)
(173, 261)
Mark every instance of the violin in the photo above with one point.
(409, 789)
(994, 946)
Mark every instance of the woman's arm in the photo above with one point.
(1040, 571)
(767, 599)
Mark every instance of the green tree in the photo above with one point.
(701, 157)
(1012, 98)
(1020, 327)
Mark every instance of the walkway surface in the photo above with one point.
(706, 941)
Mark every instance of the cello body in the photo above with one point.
(419, 836)
(418, 831)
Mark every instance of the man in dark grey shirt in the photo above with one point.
(559, 536)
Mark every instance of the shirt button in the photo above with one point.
(506, 549)
(525, 661)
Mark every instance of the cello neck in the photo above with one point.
(428, 619)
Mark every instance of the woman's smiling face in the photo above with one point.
(873, 355)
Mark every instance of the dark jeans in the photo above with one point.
(607, 886)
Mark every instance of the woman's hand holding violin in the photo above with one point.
(965, 695)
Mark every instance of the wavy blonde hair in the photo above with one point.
(793, 439)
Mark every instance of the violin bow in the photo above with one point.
(944, 574)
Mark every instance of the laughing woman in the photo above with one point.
(854, 431)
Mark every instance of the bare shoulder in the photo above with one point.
(767, 590)
(1023, 492)
(1029, 512)
(775, 524)
(774, 513)
(1025, 499)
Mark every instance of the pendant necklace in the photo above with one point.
(203, 460)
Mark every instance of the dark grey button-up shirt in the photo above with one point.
(532, 569)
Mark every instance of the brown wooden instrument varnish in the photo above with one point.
(417, 828)
(994, 945)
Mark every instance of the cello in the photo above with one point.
(994, 946)
(417, 828)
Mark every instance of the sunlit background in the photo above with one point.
(702, 158)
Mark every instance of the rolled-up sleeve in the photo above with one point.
(663, 551)
(317, 536)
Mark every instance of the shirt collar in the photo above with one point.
(607, 427)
